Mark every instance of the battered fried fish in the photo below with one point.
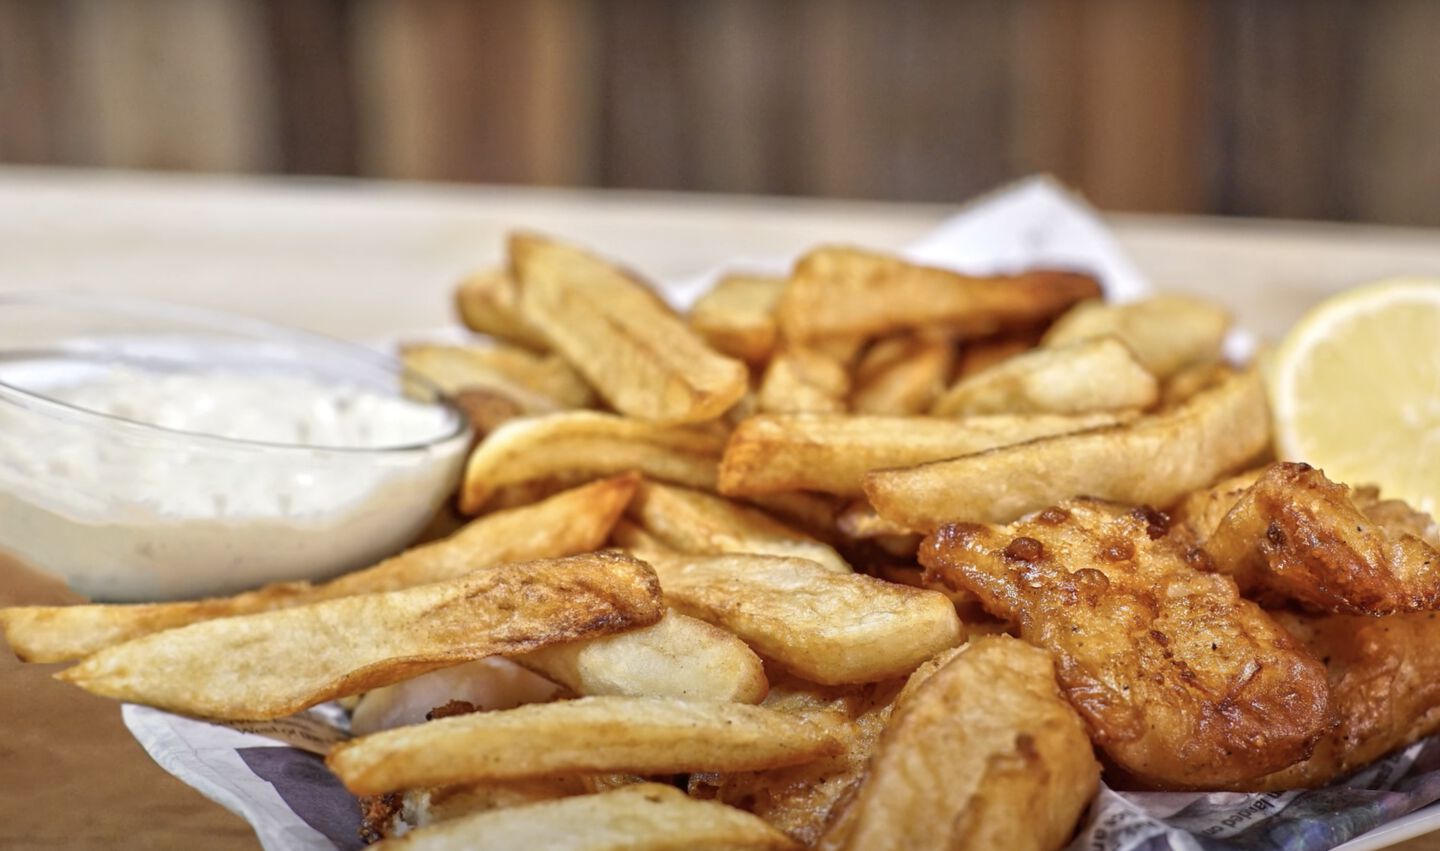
(1182, 682)
(1384, 688)
(1296, 535)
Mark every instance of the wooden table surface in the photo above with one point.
(362, 261)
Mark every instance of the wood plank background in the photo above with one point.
(1326, 109)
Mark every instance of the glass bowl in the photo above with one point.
(155, 452)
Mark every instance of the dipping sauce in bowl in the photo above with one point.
(149, 452)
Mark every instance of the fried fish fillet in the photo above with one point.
(1296, 535)
(1384, 687)
(1181, 681)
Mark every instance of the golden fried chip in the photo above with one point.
(591, 444)
(640, 735)
(1183, 683)
(829, 628)
(979, 355)
(678, 657)
(847, 291)
(396, 813)
(576, 521)
(545, 382)
(628, 344)
(276, 663)
(489, 302)
(737, 316)
(689, 521)
(1154, 460)
(1186, 382)
(1088, 376)
(832, 453)
(1166, 332)
(638, 817)
(983, 753)
(908, 385)
(801, 379)
(801, 799)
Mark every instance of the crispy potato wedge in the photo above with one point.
(832, 453)
(982, 753)
(1166, 332)
(640, 735)
(624, 339)
(1186, 382)
(505, 369)
(575, 521)
(638, 817)
(277, 663)
(812, 513)
(396, 813)
(1081, 378)
(689, 521)
(489, 302)
(1154, 460)
(801, 379)
(801, 799)
(829, 628)
(737, 316)
(909, 385)
(678, 657)
(847, 291)
(860, 520)
(980, 355)
(632, 537)
(588, 443)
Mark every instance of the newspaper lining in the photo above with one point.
(272, 773)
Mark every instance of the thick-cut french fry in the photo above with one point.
(588, 443)
(508, 370)
(1154, 460)
(826, 627)
(983, 753)
(800, 799)
(837, 290)
(860, 520)
(908, 385)
(832, 453)
(638, 541)
(489, 302)
(980, 355)
(737, 316)
(800, 379)
(678, 657)
(689, 521)
(640, 735)
(276, 663)
(628, 344)
(812, 513)
(1081, 378)
(576, 521)
(1190, 380)
(1166, 332)
(638, 817)
(392, 815)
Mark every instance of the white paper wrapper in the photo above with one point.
(272, 773)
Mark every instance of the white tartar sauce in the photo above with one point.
(126, 512)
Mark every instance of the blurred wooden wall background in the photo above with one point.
(1298, 108)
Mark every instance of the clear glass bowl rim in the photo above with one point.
(232, 323)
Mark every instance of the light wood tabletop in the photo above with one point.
(366, 261)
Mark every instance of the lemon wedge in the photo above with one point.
(1355, 389)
